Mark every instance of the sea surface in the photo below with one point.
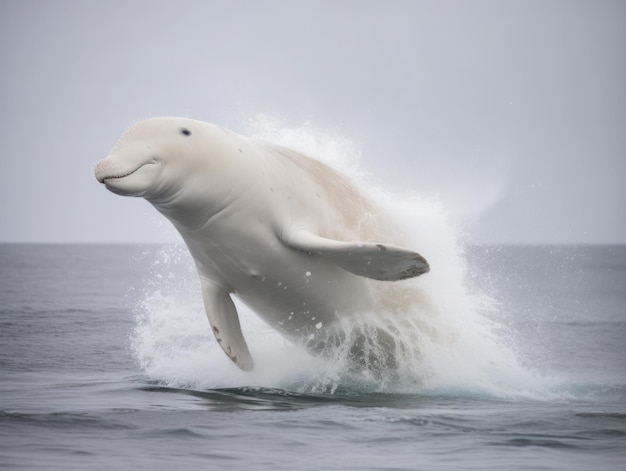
(107, 362)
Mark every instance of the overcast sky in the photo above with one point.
(512, 113)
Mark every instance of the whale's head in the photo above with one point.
(187, 169)
(151, 159)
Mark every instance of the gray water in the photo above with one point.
(94, 374)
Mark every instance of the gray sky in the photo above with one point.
(513, 113)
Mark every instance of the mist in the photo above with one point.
(511, 114)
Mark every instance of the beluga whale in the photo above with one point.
(291, 237)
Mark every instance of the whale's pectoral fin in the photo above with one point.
(224, 321)
(377, 261)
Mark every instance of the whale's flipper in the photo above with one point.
(224, 321)
(377, 261)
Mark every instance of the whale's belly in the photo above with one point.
(303, 297)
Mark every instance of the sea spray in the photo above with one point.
(442, 339)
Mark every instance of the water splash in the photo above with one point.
(444, 340)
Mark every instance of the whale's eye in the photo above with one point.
(185, 131)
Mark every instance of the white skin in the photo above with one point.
(282, 231)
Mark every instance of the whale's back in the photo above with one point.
(329, 190)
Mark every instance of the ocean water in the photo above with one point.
(107, 362)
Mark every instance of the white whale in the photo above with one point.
(290, 236)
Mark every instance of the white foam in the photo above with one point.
(454, 346)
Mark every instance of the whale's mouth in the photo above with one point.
(116, 177)
(107, 173)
